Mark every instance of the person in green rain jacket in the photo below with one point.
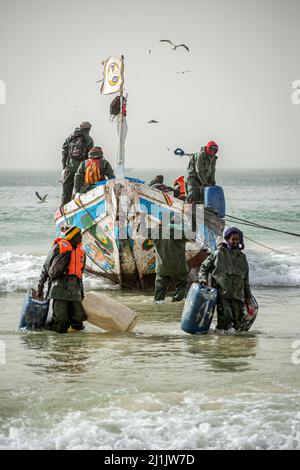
(74, 151)
(201, 172)
(229, 271)
(91, 171)
(169, 242)
(66, 290)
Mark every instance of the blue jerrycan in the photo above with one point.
(198, 309)
(34, 312)
(214, 200)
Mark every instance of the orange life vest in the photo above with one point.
(92, 171)
(181, 183)
(77, 256)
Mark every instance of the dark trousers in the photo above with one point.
(162, 283)
(194, 190)
(230, 312)
(67, 188)
(67, 313)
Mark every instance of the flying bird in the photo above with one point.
(41, 198)
(295, 85)
(183, 71)
(152, 121)
(175, 46)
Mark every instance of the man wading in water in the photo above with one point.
(66, 288)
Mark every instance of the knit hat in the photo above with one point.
(230, 231)
(159, 178)
(71, 232)
(96, 152)
(85, 125)
(180, 179)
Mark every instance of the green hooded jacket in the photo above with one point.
(203, 167)
(68, 162)
(230, 273)
(170, 252)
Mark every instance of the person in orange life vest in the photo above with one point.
(95, 169)
(179, 188)
(66, 291)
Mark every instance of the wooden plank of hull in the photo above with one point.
(94, 213)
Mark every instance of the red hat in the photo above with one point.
(211, 148)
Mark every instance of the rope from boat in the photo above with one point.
(265, 246)
(62, 211)
(269, 248)
(265, 227)
(82, 205)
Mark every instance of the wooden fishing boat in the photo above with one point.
(109, 214)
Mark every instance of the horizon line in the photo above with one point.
(130, 169)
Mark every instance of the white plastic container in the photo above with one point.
(107, 313)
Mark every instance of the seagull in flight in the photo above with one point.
(183, 71)
(174, 46)
(152, 121)
(296, 85)
(41, 198)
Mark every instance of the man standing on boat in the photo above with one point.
(64, 266)
(95, 169)
(74, 151)
(201, 172)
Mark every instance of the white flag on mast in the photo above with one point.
(113, 75)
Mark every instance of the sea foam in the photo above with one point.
(20, 272)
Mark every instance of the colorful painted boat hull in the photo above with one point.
(108, 216)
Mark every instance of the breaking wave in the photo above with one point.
(20, 272)
(274, 270)
(252, 422)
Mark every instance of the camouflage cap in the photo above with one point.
(96, 152)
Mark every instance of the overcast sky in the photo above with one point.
(243, 57)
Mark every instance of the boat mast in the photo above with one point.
(121, 132)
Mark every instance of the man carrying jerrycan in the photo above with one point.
(229, 271)
(63, 267)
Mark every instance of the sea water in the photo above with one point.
(157, 387)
